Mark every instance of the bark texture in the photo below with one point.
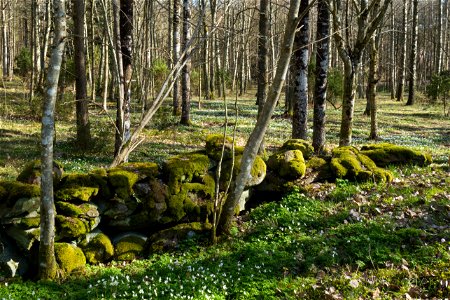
(47, 262)
(413, 55)
(186, 72)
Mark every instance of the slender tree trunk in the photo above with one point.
(320, 87)
(372, 81)
(47, 262)
(119, 79)
(263, 58)
(176, 55)
(92, 48)
(402, 59)
(438, 55)
(260, 128)
(186, 72)
(205, 53)
(413, 55)
(83, 126)
(299, 72)
(45, 41)
(126, 37)
(392, 61)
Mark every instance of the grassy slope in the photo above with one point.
(345, 242)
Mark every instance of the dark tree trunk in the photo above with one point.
(299, 73)
(186, 72)
(320, 87)
(47, 262)
(402, 60)
(83, 126)
(413, 55)
(372, 81)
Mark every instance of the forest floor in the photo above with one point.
(344, 241)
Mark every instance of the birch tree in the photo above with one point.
(47, 262)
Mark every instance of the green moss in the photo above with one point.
(288, 164)
(80, 193)
(388, 154)
(316, 162)
(214, 144)
(142, 169)
(99, 249)
(298, 144)
(100, 177)
(27, 223)
(3, 193)
(129, 248)
(122, 181)
(69, 257)
(32, 171)
(72, 210)
(257, 172)
(349, 163)
(185, 168)
(71, 227)
(17, 190)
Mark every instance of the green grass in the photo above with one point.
(339, 241)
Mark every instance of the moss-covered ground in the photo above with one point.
(343, 241)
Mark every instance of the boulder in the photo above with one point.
(74, 227)
(154, 195)
(190, 167)
(385, 154)
(215, 144)
(298, 144)
(347, 162)
(97, 247)
(77, 188)
(257, 173)
(142, 169)
(288, 164)
(129, 246)
(31, 173)
(11, 262)
(122, 182)
(14, 191)
(24, 238)
(70, 258)
(24, 208)
(169, 239)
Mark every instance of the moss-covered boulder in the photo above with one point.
(347, 162)
(16, 190)
(23, 208)
(73, 227)
(385, 154)
(97, 247)
(169, 239)
(288, 164)
(318, 169)
(24, 238)
(154, 195)
(215, 144)
(129, 246)
(31, 173)
(191, 167)
(257, 173)
(84, 210)
(69, 258)
(195, 201)
(76, 188)
(298, 144)
(122, 182)
(141, 169)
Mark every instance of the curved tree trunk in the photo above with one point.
(320, 87)
(257, 135)
(299, 73)
(47, 262)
